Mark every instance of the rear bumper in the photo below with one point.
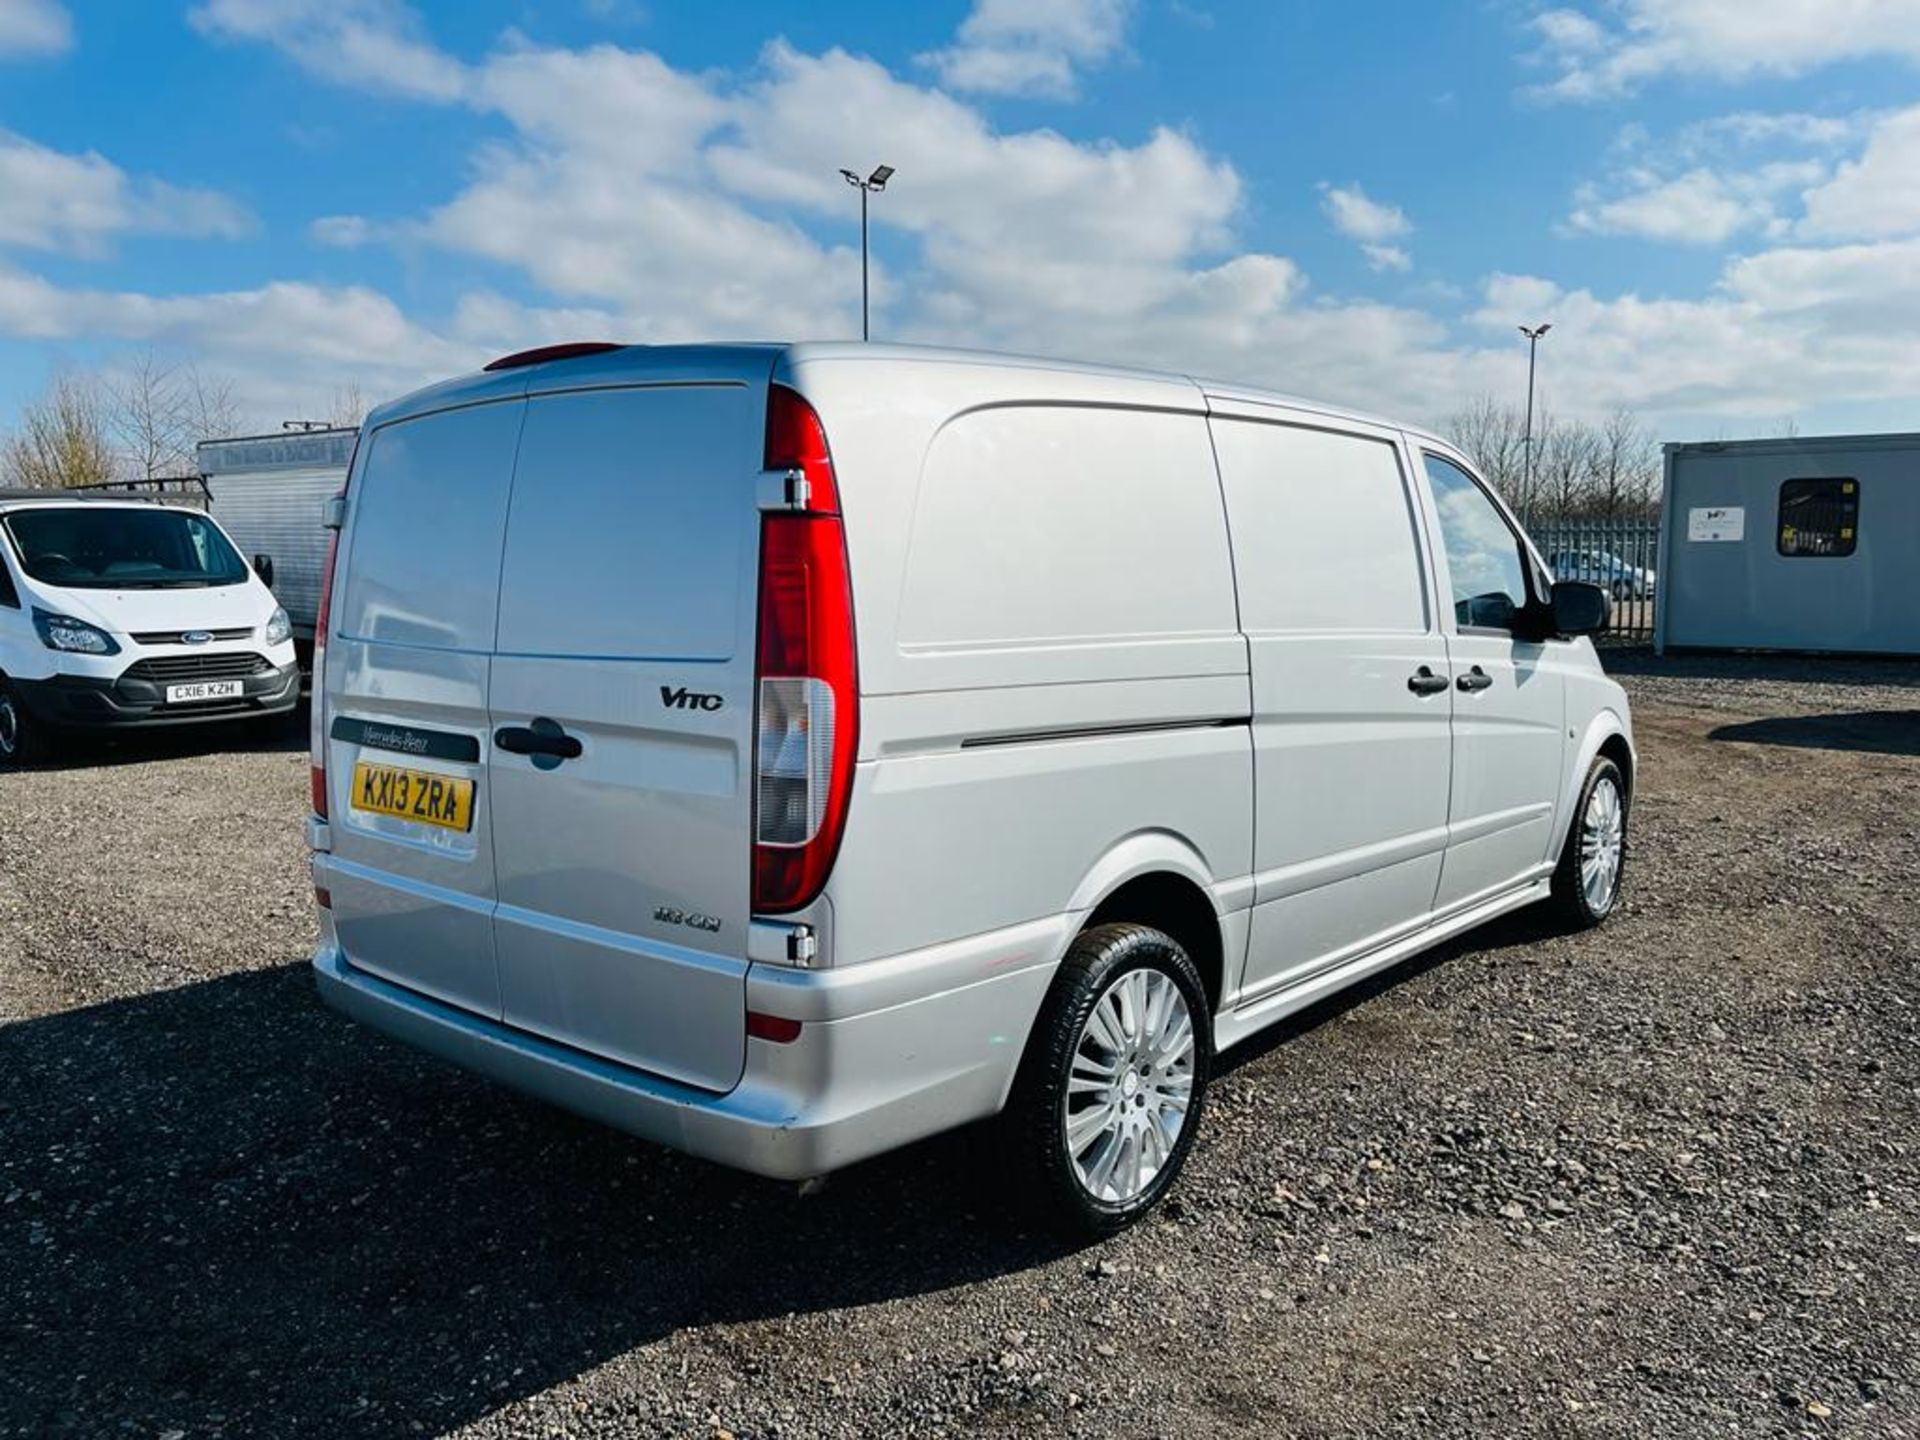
(889, 1053)
(87, 701)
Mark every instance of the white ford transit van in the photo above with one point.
(788, 752)
(120, 614)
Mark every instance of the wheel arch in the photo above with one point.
(1157, 878)
(1606, 734)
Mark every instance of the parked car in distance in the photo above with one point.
(118, 614)
(788, 752)
(1599, 567)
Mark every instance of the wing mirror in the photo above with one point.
(1580, 608)
(263, 567)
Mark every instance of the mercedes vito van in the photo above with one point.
(120, 613)
(788, 752)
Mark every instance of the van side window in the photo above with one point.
(9, 597)
(1484, 557)
(1323, 530)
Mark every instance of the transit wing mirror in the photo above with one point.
(1580, 608)
(263, 567)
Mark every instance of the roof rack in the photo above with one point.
(541, 354)
(109, 490)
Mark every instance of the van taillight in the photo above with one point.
(317, 770)
(804, 675)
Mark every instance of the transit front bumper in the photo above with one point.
(879, 1071)
(126, 702)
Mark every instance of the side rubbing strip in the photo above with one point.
(1091, 732)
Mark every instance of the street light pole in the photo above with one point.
(873, 184)
(1526, 484)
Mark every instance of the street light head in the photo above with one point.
(1537, 331)
(882, 174)
(1543, 329)
(851, 178)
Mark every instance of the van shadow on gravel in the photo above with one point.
(224, 1207)
(1880, 732)
(104, 749)
(225, 1201)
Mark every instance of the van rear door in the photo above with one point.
(623, 709)
(406, 723)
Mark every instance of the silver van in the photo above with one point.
(788, 752)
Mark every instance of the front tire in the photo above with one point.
(23, 739)
(1111, 1089)
(1586, 885)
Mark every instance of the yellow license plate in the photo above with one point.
(441, 800)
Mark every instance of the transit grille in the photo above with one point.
(179, 669)
(172, 637)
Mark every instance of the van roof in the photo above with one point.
(611, 365)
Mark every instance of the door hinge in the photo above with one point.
(801, 945)
(782, 942)
(784, 489)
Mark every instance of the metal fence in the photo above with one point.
(1620, 556)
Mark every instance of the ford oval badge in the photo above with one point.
(196, 637)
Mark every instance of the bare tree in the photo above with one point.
(1494, 437)
(160, 410)
(1565, 460)
(1580, 471)
(1626, 483)
(349, 405)
(63, 439)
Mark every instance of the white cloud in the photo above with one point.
(1031, 47)
(341, 232)
(1700, 207)
(1782, 330)
(1370, 224)
(78, 203)
(371, 44)
(1714, 179)
(1640, 40)
(1359, 217)
(32, 28)
(1877, 194)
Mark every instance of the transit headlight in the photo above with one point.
(279, 627)
(63, 632)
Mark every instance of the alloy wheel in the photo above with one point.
(1602, 840)
(1130, 1088)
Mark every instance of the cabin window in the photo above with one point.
(1819, 517)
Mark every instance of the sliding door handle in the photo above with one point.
(1424, 682)
(1474, 679)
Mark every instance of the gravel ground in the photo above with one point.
(1658, 1179)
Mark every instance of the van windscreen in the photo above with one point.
(111, 548)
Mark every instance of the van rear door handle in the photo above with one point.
(1424, 682)
(1474, 679)
(543, 739)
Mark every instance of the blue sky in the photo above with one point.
(1715, 202)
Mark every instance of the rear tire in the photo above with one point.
(1111, 1088)
(23, 739)
(1586, 885)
